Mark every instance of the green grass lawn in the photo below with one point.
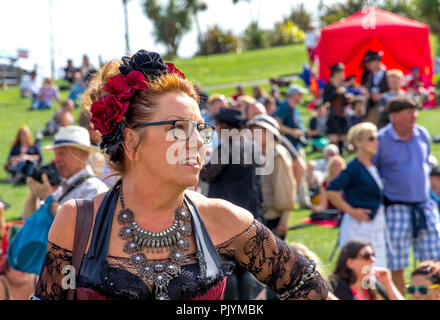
(227, 68)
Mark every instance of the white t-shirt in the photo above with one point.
(311, 40)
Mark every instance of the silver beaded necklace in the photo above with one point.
(174, 239)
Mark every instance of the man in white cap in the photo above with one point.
(72, 148)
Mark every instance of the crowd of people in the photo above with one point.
(385, 201)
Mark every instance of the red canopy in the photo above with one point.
(404, 43)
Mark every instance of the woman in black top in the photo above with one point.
(334, 93)
(152, 238)
(23, 148)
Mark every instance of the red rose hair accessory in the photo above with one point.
(108, 112)
(171, 68)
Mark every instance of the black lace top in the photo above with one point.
(256, 249)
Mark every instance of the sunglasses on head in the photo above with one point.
(423, 290)
(366, 255)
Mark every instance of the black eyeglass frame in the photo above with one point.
(173, 123)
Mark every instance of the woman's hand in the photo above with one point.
(360, 214)
(281, 229)
(383, 275)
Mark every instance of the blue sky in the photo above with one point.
(96, 27)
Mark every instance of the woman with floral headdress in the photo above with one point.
(151, 237)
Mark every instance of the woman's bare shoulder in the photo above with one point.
(223, 219)
(62, 231)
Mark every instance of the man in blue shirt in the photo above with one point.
(434, 178)
(403, 163)
(291, 126)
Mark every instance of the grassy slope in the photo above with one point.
(258, 64)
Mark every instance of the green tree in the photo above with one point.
(171, 22)
(215, 40)
(197, 6)
(301, 17)
(429, 12)
(337, 11)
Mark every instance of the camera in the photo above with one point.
(34, 170)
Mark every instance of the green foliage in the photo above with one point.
(215, 40)
(301, 17)
(255, 37)
(339, 10)
(429, 12)
(287, 32)
(171, 22)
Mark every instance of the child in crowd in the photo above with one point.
(317, 127)
(358, 106)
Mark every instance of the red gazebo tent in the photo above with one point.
(404, 43)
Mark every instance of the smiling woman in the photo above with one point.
(152, 238)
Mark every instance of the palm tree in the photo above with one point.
(196, 6)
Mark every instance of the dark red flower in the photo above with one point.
(106, 112)
(171, 68)
(125, 86)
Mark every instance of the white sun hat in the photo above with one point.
(72, 136)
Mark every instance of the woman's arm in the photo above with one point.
(50, 285)
(336, 199)
(323, 201)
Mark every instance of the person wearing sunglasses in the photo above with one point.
(364, 217)
(151, 237)
(425, 281)
(356, 278)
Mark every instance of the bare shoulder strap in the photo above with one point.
(84, 220)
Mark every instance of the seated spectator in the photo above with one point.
(354, 272)
(15, 285)
(417, 83)
(317, 127)
(395, 81)
(23, 149)
(425, 281)
(317, 169)
(29, 85)
(86, 67)
(239, 92)
(62, 118)
(259, 94)
(69, 71)
(270, 104)
(434, 178)
(359, 107)
(46, 95)
(352, 86)
(363, 192)
(334, 167)
(81, 85)
(278, 188)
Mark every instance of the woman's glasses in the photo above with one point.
(423, 290)
(371, 138)
(366, 256)
(184, 129)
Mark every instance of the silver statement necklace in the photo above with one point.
(174, 239)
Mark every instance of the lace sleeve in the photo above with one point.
(49, 285)
(275, 263)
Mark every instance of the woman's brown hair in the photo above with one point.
(142, 103)
(24, 128)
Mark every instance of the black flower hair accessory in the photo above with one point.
(147, 62)
(112, 142)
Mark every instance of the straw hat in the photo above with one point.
(72, 136)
